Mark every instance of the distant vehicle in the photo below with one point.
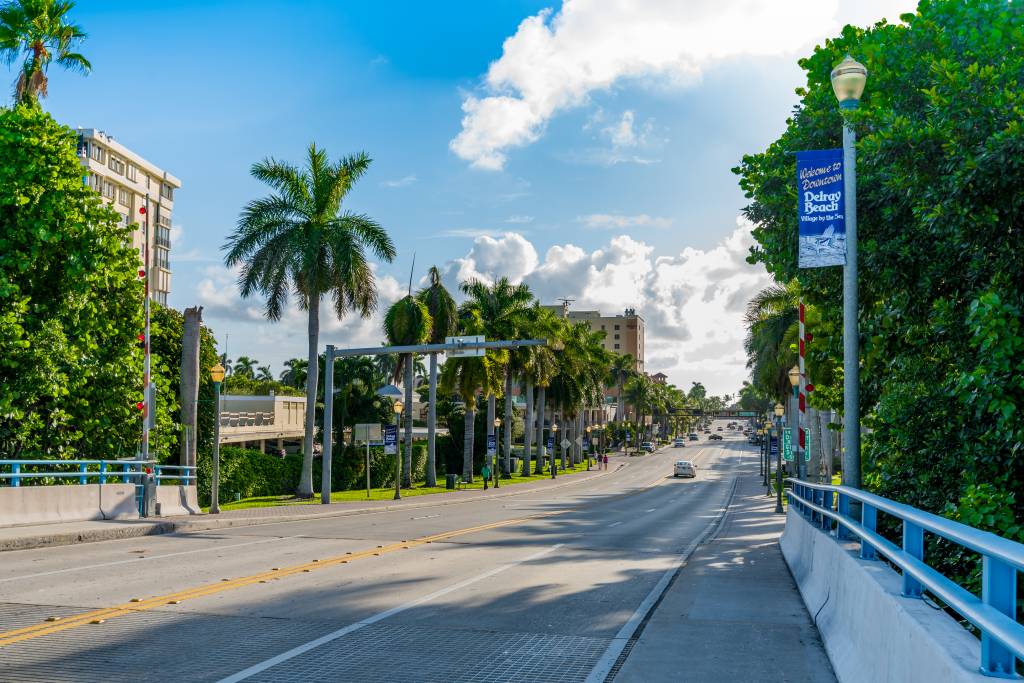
(693, 437)
(685, 468)
(647, 446)
(678, 443)
(715, 437)
(719, 429)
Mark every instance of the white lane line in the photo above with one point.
(651, 510)
(614, 524)
(136, 560)
(604, 665)
(334, 635)
(425, 517)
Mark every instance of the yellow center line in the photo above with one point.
(49, 627)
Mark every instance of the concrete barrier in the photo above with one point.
(871, 632)
(176, 500)
(66, 503)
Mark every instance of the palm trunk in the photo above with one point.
(467, 443)
(432, 423)
(528, 428)
(407, 460)
(620, 409)
(306, 480)
(538, 468)
(565, 435)
(507, 436)
(189, 387)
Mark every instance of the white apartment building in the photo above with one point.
(126, 181)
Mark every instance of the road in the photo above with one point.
(541, 586)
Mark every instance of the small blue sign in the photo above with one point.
(492, 444)
(390, 439)
(774, 447)
(551, 443)
(821, 208)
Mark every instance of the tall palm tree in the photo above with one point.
(623, 367)
(263, 374)
(39, 31)
(246, 367)
(386, 363)
(444, 322)
(299, 239)
(772, 318)
(407, 323)
(295, 372)
(536, 365)
(639, 392)
(503, 307)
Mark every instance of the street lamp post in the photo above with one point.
(794, 427)
(398, 407)
(217, 375)
(554, 445)
(779, 410)
(848, 81)
(588, 447)
(497, 456)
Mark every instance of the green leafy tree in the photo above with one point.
(38, 31)
(70, 302)
(300, 240)
(245, 367)
(940, 164)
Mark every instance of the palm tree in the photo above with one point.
(300, 240)
(295, 374)
(639, 392)
(772, 318)
(264, 374)
(503, 307)
(40, 31)
(537, 364)
(386, 363)
(623, 367)
(407, 323)
(444, 323)
(245, 366)
(227, 363)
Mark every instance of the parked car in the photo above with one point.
(647, 446)
(693, 437)
(678, 443)
(685, 468)
(715, 437)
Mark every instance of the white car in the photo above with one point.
(679, 442)
(685, 468)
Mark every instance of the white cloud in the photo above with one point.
(605, 221)
(400, 182)
(622, 133)
(555, 60)
(520, 220)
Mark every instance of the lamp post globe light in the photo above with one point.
(554, 445)
(398, 407)
(848, 80)
(497, 458)
(589, 428)
(779, 411)
(216, 376)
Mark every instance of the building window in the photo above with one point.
(164, 221)
(132, 173)
(108, 190)
(163, 237)
(124, 197)
(160, 298)
(616, 336)
(96, 183)
(166, 191)
(616, 327)
(616, 347)
(116, 165)
(96, 152)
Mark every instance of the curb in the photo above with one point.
(207, 522)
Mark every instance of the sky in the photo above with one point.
(581, 146)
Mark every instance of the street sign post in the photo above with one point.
(367, 433)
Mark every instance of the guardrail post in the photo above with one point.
(999, 590)
(868, 516)
(913, 545)
(843, 505)
(103, 471)
(83, 468)
(16, 470)
(826, 502)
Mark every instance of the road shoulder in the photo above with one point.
(733, 607)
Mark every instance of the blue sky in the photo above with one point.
(584, 149)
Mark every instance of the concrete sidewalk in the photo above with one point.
(44, 535)
(733, 611)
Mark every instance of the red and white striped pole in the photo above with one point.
(802, 416)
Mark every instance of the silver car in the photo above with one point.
(685, 468)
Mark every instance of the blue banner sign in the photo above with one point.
(773, 448)
(492, 442)
(822, 208)
(551, 443)
(390, 439)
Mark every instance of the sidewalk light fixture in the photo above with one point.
(848, 80)
(794, 375)
(398, 407)
(554, 445)
(497, 458)
(216, 376)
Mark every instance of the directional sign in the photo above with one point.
(566, 443)
(366, 433)
(464, 353)
(807, 452)
(390, 439)
(492, 441)
(787, 445)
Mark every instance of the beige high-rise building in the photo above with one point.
(624, 333)
(126, 180)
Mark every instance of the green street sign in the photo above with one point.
(807, 451)
(787, 445)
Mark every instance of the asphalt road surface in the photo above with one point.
(540, 586)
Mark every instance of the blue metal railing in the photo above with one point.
(129, 471)
(994, 614)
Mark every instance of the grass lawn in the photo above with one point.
(357, 495)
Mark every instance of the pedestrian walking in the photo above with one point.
(606, 461)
